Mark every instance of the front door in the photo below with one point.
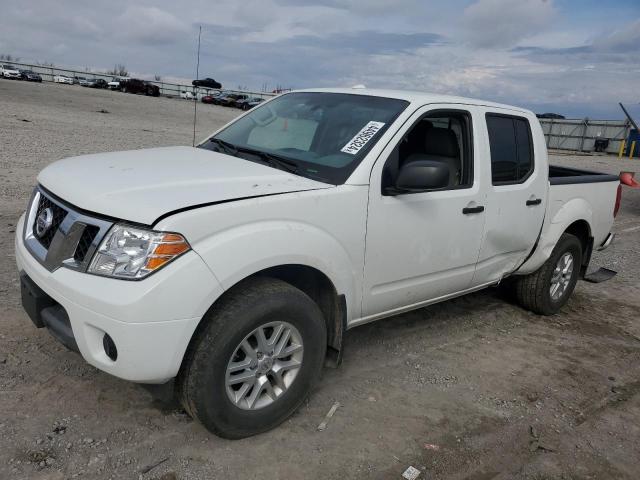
(424, 246)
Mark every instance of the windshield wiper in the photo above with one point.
(275, 161)
(227, 147)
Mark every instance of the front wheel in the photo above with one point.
(548, 289)
(255, 360)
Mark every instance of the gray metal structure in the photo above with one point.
(580, 134)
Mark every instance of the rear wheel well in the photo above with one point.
(581, 230)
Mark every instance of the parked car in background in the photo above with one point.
(212, 98)
(238, 101)
(11, 72)
(114, 83)
(97, 83)
(135, 85)
(63, 79)
(30, 76)
(204, 92)
(249, 103)
(80, 81)
(206, 82)
(186, 95)
(230, 99)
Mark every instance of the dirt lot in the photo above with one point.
(474, 388)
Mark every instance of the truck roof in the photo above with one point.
(416, 97)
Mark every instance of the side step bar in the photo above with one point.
(600, 275)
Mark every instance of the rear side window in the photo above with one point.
(511, 148)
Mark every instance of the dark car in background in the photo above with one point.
(206, 82)
(554, 116)
(30, 76)
(134, 85)
(97, 83)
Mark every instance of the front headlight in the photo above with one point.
(132, 252)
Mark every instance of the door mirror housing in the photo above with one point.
(420, 175)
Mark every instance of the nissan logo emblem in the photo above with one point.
(44, 221)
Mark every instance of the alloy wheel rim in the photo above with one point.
(561, 277)
(264, 365)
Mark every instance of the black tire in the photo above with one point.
(201, 383)
(533, 291)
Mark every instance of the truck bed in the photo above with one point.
(565, 176)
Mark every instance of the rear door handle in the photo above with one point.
(469, 210)
(536, 201)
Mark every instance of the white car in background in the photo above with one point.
(114, 84)
(186, 95)
(63, 79)
(9, 71)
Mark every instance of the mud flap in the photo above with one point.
(600, 275)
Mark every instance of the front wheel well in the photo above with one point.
(320, 288)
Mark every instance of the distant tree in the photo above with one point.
(9, 58)
(158, 78)
(118, 70)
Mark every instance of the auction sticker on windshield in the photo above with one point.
(362, 137)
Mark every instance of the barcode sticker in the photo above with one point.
(361, 138)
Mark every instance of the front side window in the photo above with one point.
(511, 148)
(323, 136)
(442, 136)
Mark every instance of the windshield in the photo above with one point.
(324, 135)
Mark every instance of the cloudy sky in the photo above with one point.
(576, 57)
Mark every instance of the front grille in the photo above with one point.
(88, 235)
(59, 214)
(70, 245)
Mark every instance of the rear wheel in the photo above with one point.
(256, 359)
(548, 289)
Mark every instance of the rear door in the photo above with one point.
(517, 193)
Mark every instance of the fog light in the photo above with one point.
(109, 347)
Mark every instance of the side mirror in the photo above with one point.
(421, 176)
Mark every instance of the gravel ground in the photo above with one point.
(474, 388)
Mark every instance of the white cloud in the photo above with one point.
(503, 23)
(462, 47)
(150, 25)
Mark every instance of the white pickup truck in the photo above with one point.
(235, 267)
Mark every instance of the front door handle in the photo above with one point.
(468, 210)
(536, 201)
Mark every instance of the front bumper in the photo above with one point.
(150, 321)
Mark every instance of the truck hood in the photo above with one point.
(143, 185)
